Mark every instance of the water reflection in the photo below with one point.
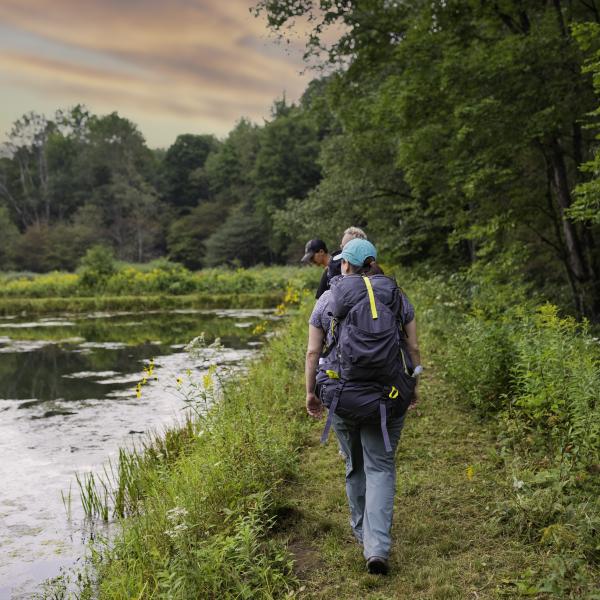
(68, 401)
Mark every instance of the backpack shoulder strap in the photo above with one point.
(371, 297)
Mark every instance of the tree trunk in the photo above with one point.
(140, 240)
(43, 175)
(576, 253)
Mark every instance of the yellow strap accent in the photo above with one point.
(371, 297)
(394, 393)
(332, 374)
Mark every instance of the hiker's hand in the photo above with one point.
(313, 405)
(415, 399)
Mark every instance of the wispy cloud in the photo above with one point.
(203, 62)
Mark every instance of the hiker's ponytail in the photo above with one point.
(370, 267)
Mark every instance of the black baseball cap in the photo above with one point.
(311, 248)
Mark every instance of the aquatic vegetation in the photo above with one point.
(201, 499)
(76, 304)
(166, 278)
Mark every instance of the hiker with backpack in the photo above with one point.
(362, 363)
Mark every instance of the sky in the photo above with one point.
(171, 66)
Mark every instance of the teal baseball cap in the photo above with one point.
(356, 251)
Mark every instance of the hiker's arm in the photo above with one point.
(313, 351)
(415, 354)
(412, 342)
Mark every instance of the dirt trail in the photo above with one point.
(448, 540)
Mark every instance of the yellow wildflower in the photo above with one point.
(470, 472)
(207, 381)
(259, 329)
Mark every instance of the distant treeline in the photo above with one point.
(80, 180)
(458, 133)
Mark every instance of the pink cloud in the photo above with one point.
(211, 60)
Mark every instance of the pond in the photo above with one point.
(68, 401)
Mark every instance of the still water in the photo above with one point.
(67, 403)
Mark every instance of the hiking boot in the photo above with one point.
(376, 565)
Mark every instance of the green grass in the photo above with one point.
(252, 507)
(448, 538)
(198, 520)
(78, 304)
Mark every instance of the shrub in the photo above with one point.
(101, 274)
(97, 265)
(556, 374)
(478, 362)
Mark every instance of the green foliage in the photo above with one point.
(480, 366)
(229, 170)
(286, 162)
(156, 277)
(209, 500)
(186, 237)
(586, 207)
(96, 267)
(556, 375)
(183, 169)
(79, 180)
(535, 378)
(8, 239)
(240, 241)
(457, 116)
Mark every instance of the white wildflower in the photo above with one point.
(176, 514)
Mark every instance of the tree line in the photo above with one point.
(459, 133)
(79, 180)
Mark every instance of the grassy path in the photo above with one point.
(448, 541)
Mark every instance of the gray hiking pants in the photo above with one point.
(370, 481)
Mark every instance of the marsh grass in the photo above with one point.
(119, 490)
(78, 304)
(196, 505)
(254, 508)
(160, 278)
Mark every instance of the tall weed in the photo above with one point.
(535, 377)
(159, 277)
(201, 507)
(556, 380)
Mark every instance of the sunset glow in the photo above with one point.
(172, 67)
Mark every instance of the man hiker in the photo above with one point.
(316, 253)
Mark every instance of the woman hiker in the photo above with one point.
(365, 369)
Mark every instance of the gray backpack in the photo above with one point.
(365, 373)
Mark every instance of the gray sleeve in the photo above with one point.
(316, 317)
(408, 310)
